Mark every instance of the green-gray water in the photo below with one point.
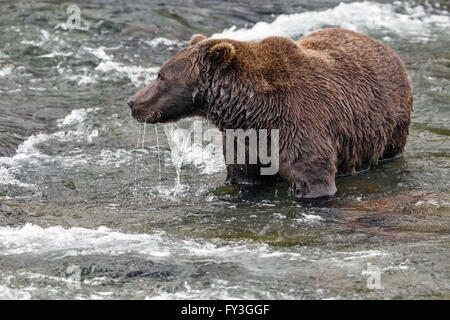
(84, 213)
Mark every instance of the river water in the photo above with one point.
(95, 205)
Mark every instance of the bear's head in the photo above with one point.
(180, 88)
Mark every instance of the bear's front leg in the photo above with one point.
(241, 174)
(310, 178)
(305, 189)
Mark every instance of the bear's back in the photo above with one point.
(368, 97)
(351, 55)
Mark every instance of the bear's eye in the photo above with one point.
(161, 77)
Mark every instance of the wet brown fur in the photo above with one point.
(341, 100)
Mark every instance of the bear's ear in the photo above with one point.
(196, 38)
(222, 53)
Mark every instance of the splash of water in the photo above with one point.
(135, 189)
(143, 137)
(179, 140)
(159, 155)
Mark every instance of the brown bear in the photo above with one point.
(340, 100)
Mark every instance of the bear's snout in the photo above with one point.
(131, 102)
(146, 116)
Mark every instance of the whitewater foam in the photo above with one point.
(57, 243)
(7, 293)
(56, 53)
(7, 178)
(28, 153)
(116, 158)
(310, 219)
(75, 116)
(99, 53)
(137, 74)
(218, 289)
(75, 241)
(60, 242)
(6, 70)
(416, 23)
(161, 41)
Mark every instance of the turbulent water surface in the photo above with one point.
(90, 202)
